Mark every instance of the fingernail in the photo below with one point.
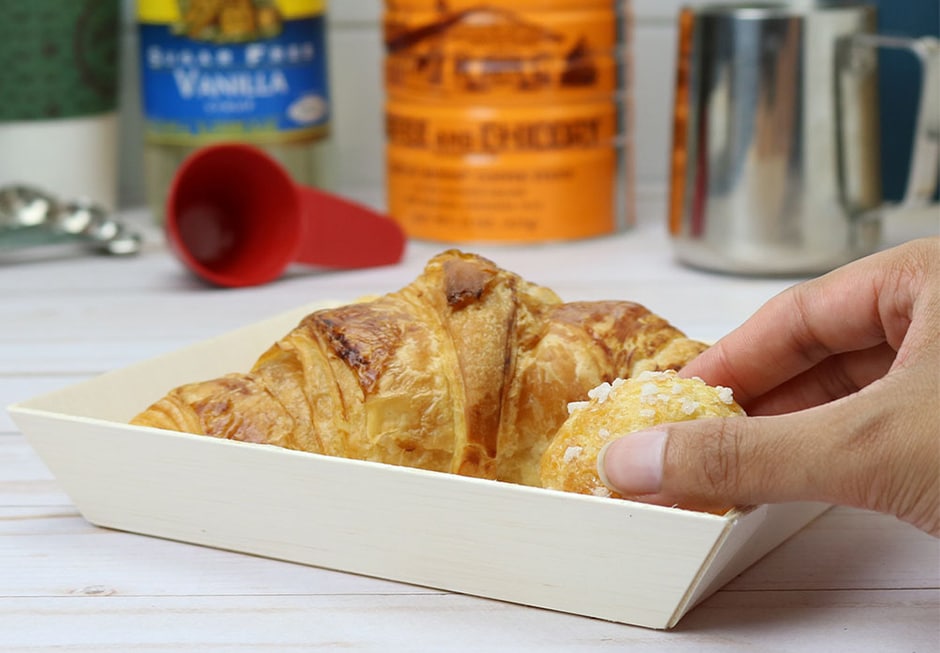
(633, 464)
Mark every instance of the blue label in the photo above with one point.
(265, 90)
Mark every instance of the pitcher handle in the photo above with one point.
(925, 156)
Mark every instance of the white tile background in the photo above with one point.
(355, 50)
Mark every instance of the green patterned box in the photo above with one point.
(58, 58)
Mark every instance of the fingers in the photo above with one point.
(848, 452)
(840, 377)
(834, 378)
(854, 308)
(789, 335)
(719, 462)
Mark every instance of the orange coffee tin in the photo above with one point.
(508, 122)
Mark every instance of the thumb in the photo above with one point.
(711, 463)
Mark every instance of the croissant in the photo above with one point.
(469, 369)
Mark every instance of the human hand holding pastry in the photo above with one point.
(840, 377)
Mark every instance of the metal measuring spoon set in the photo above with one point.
(31, 217)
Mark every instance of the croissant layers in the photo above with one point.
(469, 369)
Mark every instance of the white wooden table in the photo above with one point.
(851, 581)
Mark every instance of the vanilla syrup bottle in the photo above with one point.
(249, 71)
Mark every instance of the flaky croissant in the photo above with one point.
(469, 369)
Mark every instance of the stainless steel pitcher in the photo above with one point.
(776, 144)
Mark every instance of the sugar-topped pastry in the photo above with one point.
(613, 410)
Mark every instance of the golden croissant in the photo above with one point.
(469, 369)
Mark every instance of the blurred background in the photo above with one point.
(355, 59)
(355, 55)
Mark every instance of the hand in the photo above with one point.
(840, 377)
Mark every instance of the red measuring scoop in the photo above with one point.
(235, 217)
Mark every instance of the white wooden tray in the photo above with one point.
(616, 560)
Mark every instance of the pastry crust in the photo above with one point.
(469, 369)
(614, 410)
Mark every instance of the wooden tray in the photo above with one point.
(616, 560)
